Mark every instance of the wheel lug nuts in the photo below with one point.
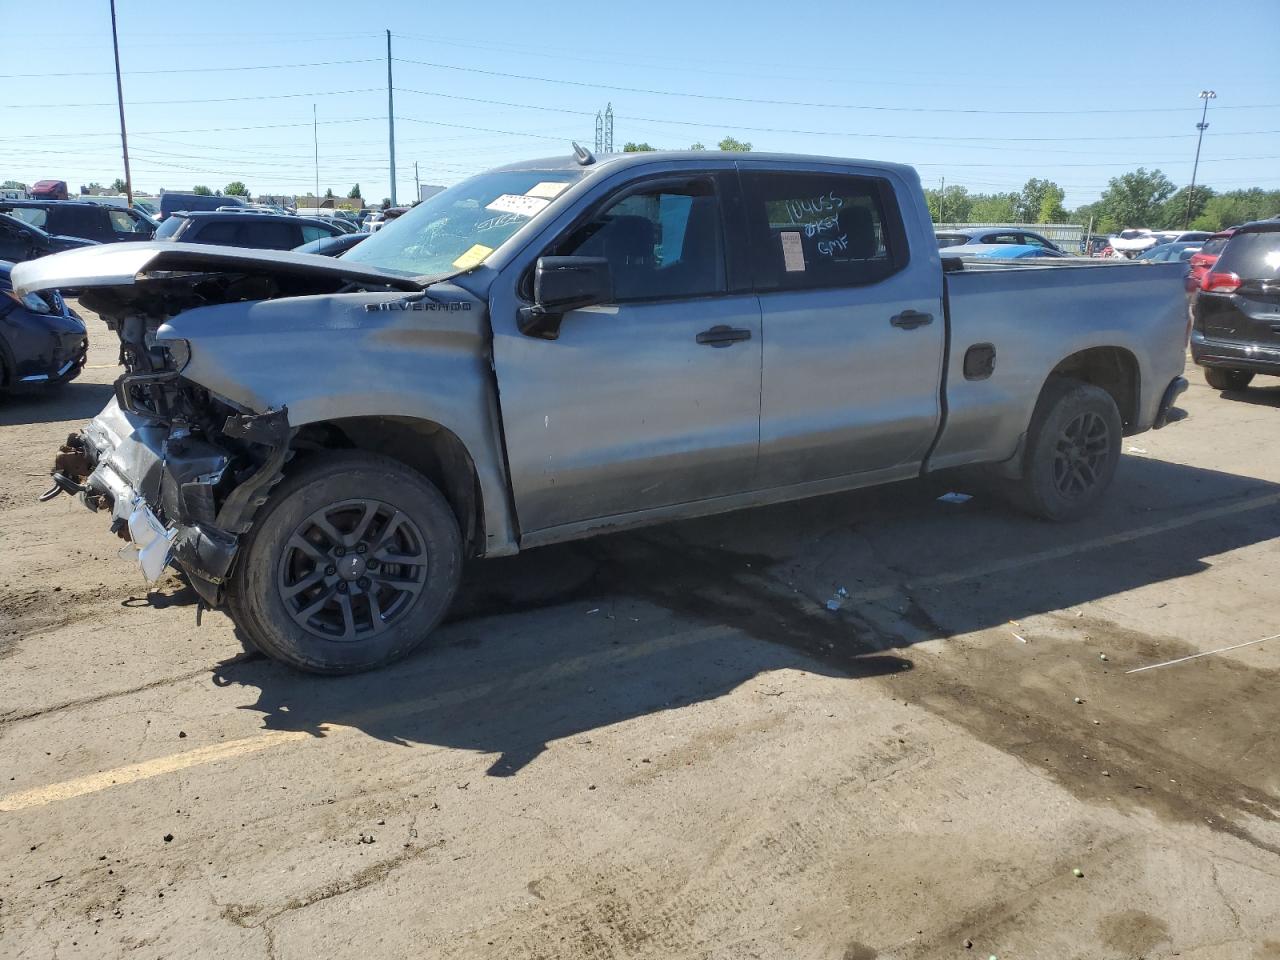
(372, 565)
(364, 583)
(339, 552)
(330, 571)
(342, 588)
(361, 548)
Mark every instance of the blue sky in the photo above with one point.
(986, 95)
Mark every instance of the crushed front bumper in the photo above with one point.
(174, 495)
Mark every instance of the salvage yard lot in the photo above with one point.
(663, 744)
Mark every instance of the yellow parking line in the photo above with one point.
(215, 753)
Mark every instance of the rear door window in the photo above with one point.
(223, 232)
(1251, 256)
(1014, 238)
(811, 230)
(311, 231)
(268, 234)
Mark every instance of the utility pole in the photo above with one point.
(942, 199)
(124, 137)
(417, 184)
(1202, 126)
(391, 121)
(315, 138)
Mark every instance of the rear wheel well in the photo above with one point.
(422, 445)
(1115, 370)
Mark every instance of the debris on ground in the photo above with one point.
(1207, 653)
(954, 497)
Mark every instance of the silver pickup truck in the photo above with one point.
(567, 346)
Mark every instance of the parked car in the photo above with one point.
(171, 203)
(76, 218)
(1127, 244)
(1002, 251)
(19, 240)
(1180, 252)
(262, 231)
(1235, 318)
(49, 190)
(331, 246)
(1203, 260)
(559, 348)
(1182, 236)
(966, 236)
(42, 342)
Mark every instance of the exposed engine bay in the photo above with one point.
(181, 470)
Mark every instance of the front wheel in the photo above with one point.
(1221, 378)
(353, 562)
(1073, 449)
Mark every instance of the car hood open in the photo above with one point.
(127, 264)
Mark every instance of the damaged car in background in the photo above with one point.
(563, 347)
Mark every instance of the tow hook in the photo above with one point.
(61, 484)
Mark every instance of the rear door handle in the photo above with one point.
(723, 336)
(910, 319)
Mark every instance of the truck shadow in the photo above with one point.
(560, 641)
(1259, 395)
(71, 402)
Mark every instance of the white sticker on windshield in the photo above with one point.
(792, 251)
(514, 203)
(547, 188)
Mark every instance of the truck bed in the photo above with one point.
(1141, 308)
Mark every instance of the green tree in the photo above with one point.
(1135, 199)
(202, 191)
(630, 147)
(1236, 207)
(1041, 202)
(697, 146)
(386, 203)
(328, 193)
(735, 146)
(13, 185)
(953, 206)
(236, 189)
(118, 185)
(994, 207)
(1173, 212)
(354, 193)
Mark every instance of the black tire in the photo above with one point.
(362, 595)
(1073, 449)
(1222, 378)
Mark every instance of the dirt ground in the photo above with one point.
(663, 744)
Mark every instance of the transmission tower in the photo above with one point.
(604, 130)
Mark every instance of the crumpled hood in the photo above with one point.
(129, 264)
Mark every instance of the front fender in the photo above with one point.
(360, 355)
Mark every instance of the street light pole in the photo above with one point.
(1202, 126)
(124, 137)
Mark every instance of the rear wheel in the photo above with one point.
(1073, 449)
(351, 565)
(1221, 378)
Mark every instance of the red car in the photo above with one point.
(1202, 262)
(49, 190)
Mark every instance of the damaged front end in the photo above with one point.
(181, 468)
(180, 471)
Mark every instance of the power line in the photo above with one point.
(265, 96)
(804, 103)
(140, 73)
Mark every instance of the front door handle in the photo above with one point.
(910, 319)
(723, 336)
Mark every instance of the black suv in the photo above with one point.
(19, 241)
(1235, 318)
(262, 231)
(89, 221)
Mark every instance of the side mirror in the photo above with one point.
(561, 284)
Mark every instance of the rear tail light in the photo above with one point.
(1220, 283)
